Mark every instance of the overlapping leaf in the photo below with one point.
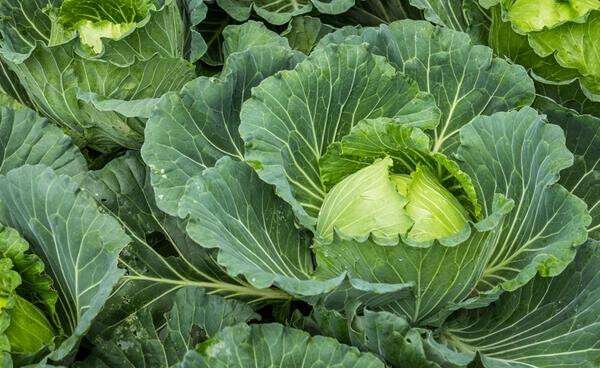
(162, 259)
(280, 12)
(269, 345)
(465, 80)
(548, 222)
(229, 208)
(550, 322)
(190, 130)
(147, 342)
(78, 243)
(27, 138)
(583, 140)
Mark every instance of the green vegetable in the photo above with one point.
(299, 183)
(553, 38)
(29, 330)
(25, 328)
(96, 69)
(374, 202)
(435, 211)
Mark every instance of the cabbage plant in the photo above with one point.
(429, 190)
(388, 196)
(553, 38)
(97, 68)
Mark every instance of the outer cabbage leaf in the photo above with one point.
(465, 80)
(27, 138)
(548, 222)
(443, 277)
(387, 335)
(295, 115)
(569, 96)
(583, 139)
(190, 130)
(461, 15)
(147, 342)
(550, 322)
(304, 33)
(280, 12)
(78, 243)
(267, 345)
(162, 259)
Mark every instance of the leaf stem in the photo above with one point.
(216, 286)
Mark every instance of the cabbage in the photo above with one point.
(98, 73)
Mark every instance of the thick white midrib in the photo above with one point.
(65, 287)
(457, 24)
(268, 293)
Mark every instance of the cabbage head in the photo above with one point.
(557, 40)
